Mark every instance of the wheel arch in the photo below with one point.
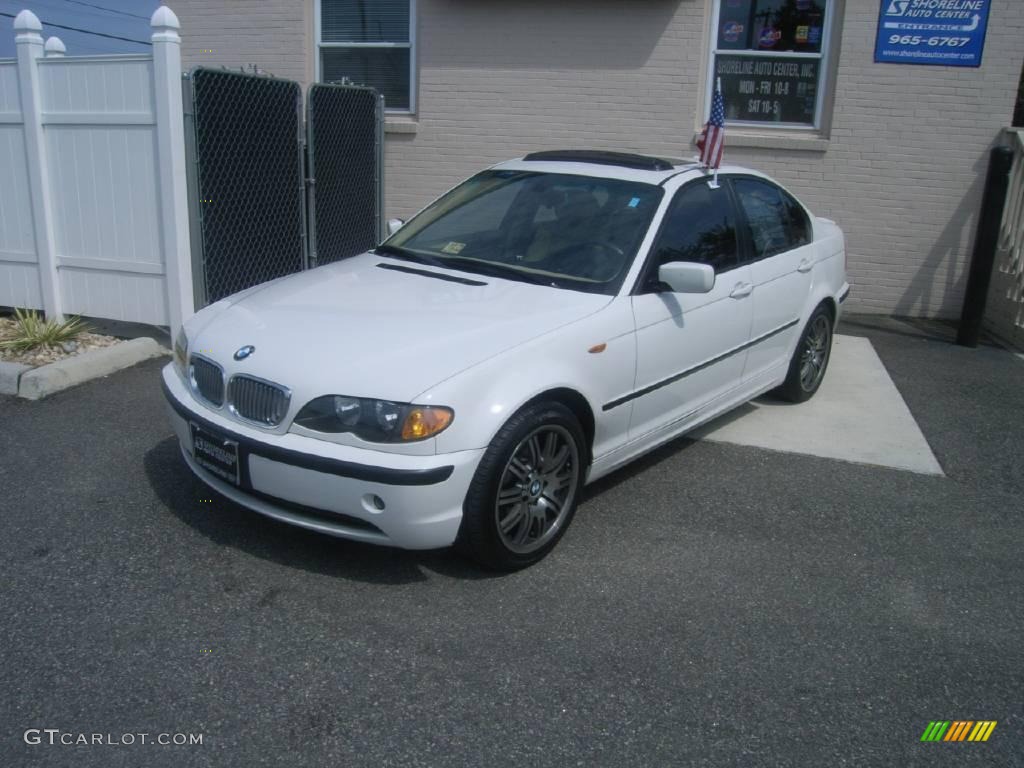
(829, 303)
(575, 402)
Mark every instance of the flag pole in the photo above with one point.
(714, 181)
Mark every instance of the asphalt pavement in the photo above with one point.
(712, 605)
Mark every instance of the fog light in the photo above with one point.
(373, 503)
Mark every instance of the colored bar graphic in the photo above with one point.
(985, 729)
(958, 730)
(935, 730)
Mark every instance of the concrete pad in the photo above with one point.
(857, 415)
(47, 379)
(9, 375)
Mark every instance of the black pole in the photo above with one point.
(985, 241)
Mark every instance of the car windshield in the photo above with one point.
(576, 232)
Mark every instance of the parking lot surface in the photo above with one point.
(714, 604)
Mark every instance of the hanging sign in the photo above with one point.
(946, 32)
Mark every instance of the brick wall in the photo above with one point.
(272, 34)
(902, 171)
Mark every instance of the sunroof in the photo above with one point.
(601, 157)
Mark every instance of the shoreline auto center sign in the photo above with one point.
(946, 32)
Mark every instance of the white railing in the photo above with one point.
(93, 206)
(1005, 310)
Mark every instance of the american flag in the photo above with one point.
(712, 139)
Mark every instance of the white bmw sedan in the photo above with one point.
(540, 325)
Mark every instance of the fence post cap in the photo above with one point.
(163, 17)
(26, 21)
(54, 46)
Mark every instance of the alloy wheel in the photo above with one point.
(814, 356)
(537, 488)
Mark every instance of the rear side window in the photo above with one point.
(777, 222)
(799, 224)
(699, 226)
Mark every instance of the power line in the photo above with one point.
(109, 10)
(86, 31)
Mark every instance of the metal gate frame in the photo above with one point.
(305, 154)
(311, 243)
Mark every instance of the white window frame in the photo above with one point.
(411, 45)
(823, 64)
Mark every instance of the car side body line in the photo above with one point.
(699, 367)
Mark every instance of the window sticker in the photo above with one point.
(769, 37)
(453, 247)
(634, 202)
(731, 31)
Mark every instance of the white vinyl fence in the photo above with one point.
(93, 208)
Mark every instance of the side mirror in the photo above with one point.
(394, 225)
(687, 276)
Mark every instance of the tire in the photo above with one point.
(516, 509)
(810, 358)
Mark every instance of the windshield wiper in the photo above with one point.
(405, 253)
(497, 269)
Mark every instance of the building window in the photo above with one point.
(369, 42)
(770, 56)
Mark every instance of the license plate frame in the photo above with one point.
(216, 454)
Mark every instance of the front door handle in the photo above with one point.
(805, 265)
(741, 290)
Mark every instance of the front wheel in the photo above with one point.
(810, 359)
(524, 493)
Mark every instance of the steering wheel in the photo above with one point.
(596, 259)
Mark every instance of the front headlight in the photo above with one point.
(181, 351)
(378, 421)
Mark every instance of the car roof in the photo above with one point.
(647, 169)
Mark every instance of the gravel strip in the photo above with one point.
(51, 354)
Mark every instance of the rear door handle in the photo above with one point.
(805, 265)
(741, 290)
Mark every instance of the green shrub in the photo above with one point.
(31, 331)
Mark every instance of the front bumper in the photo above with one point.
(327, 487)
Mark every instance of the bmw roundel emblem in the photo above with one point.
(244, 352)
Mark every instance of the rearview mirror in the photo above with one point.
(687, 276)
(394, 225)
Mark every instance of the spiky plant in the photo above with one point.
(32, 331)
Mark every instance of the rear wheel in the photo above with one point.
(525, 490)
(810, 359)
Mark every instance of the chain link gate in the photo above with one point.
(344, 126)
(247, 179)
(248, 188)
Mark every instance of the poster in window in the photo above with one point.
(775, 89)
(771, 25)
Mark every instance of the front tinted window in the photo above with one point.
(577, 232)
(777, 222)
(699, 226)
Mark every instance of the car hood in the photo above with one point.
(374, 326)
